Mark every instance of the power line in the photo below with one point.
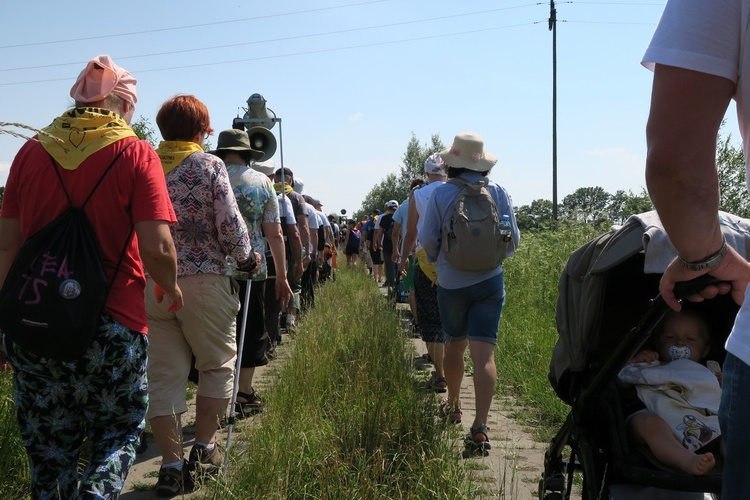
(282, 39)
(608, 22)
(279, 56)
(190, 26)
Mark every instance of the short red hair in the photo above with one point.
(183, 117)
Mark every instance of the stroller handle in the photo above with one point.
(686, 288)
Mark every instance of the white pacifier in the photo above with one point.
(679, 352)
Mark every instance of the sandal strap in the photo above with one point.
(482, 429)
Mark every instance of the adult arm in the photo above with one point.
(304, 233)
(687, 108)
(10, 241)
(295, 245)
(275, 239)
(410, 240)
(160, 260)
(313, 244)
(396, 254)
(377, 239)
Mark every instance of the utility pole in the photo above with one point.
(553, 29)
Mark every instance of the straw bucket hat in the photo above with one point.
(467, 151)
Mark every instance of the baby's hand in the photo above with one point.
(645, 356)
(716, 370)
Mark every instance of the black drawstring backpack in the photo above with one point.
(52, 300)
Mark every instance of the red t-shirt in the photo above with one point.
(133, 191)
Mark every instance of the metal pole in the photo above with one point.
(553, 28)
(236, 388)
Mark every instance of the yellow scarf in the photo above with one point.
(83, 132)
(427, 267)
(287, 188)
(173, 153)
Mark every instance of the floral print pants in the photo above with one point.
(96, 403)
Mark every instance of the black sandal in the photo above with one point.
(252, 404)
(472, 444)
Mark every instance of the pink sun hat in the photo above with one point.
(102, 77)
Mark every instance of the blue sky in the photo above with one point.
(352, 80)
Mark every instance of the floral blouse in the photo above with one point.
(258, 204)
(209, 225)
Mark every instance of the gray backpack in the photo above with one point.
(472, 239)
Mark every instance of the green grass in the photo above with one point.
(528, 330)
(348, 419)
(14, 469)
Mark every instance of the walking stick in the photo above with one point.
(236, 388)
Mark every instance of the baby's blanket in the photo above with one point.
(684, 393)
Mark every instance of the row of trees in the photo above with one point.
(585, 205)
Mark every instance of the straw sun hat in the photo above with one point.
(467, 151)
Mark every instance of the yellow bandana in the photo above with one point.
(173, 153)
(83, 132)
(427, 267)
(287, 188)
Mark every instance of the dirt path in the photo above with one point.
(511, 471)
(514, 466)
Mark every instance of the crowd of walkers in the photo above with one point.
(212, 233)
(226, 253)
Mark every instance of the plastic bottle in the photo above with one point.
(505, 228)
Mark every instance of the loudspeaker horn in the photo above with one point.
(259, 113)
(262, 139)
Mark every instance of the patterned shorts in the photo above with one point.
(99, 399)
(425, 294)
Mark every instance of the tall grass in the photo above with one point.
(14, 468)
(528, 330)
(348, 420)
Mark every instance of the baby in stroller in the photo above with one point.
(675, 412)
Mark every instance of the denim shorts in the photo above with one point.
(474, 311)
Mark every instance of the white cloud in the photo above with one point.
(357, 117)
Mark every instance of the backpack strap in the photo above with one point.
(70, 202)
(106, 171)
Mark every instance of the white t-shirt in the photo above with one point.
(313, 222)
(712, 37)
(421, 197)
(708, 37)
(286, 209)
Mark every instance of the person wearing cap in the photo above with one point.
(470, 302)
(100, 398)
(293, 250)
(383, 240)
(284, 182)
(209, 231)
(259, 206)
(425, 277)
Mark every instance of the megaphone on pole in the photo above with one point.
(261, 139)
(258, 120)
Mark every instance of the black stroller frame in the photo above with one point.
(586, 361)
